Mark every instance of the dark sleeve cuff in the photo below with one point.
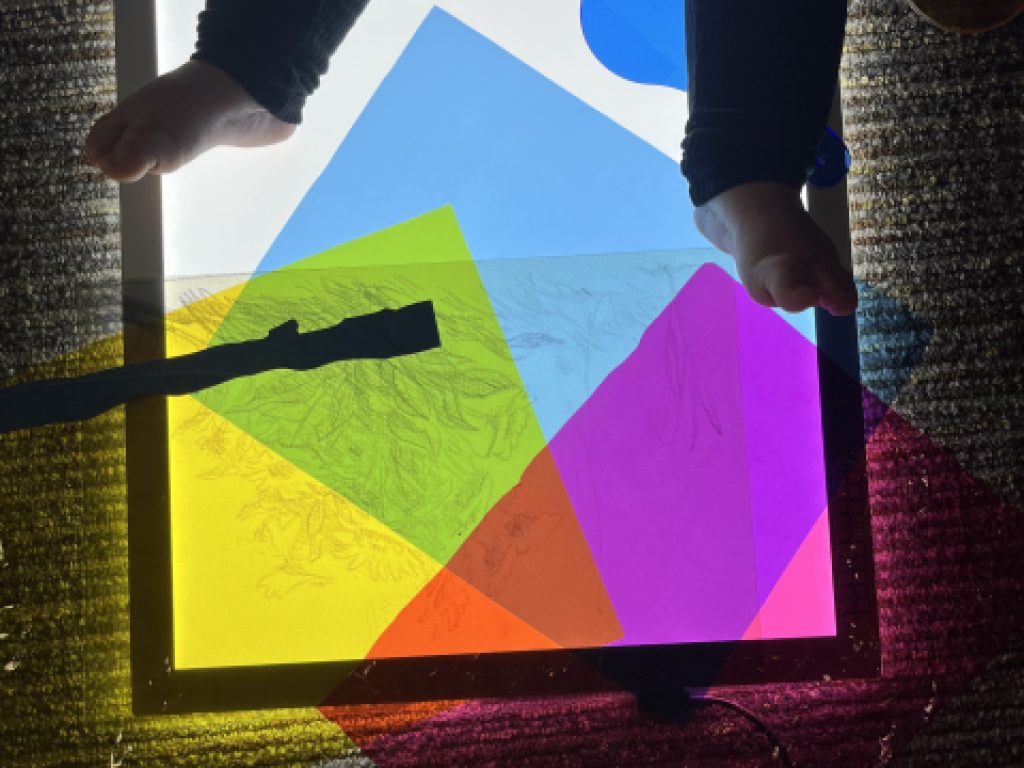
(723, 150)
(277, 50)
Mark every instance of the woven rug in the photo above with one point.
(934, 123)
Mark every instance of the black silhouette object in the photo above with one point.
(383, 334)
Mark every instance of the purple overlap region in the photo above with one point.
(656, 464)
(785, 449)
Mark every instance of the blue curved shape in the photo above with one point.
(831, 162)
(643, 41)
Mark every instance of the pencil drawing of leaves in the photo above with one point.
(403, 438)
(383, 558)
(447, 603)
(197, 423)
(280, 583)
(202, 314)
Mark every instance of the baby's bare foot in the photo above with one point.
(783, 258)
(168, 122)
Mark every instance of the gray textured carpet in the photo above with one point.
(934, 124)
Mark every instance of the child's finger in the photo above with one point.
(839, 296)
(139, 150)
(758, 288)
(102, 137)
(785, 280)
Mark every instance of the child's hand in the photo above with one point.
(173, 119)
(783, 257)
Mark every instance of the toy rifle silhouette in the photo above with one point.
(383, 334)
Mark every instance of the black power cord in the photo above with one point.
(677, 704)
(778, 750)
